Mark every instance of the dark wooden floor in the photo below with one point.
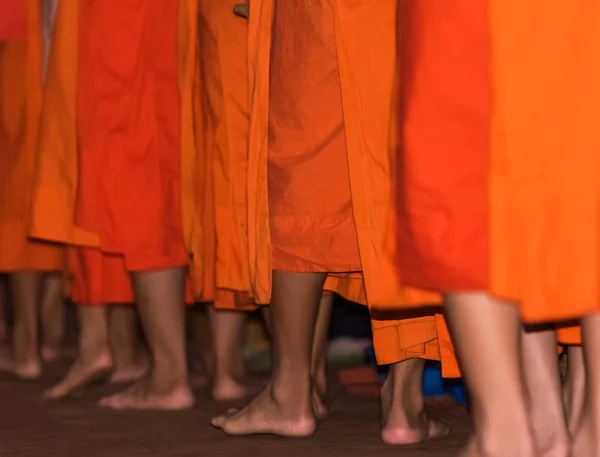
(76, 427)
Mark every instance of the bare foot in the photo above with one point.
(318, 404)
(230, 389)
(130, 373)
(199, 380)
(401, 426)
(82, 374)
(51, 353)
(27, 370)
(265, 415)
(143, 396)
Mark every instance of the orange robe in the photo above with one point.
(320, 178)
(117, 135)
(222, 141)
(513, 211)
(545, 161)
(21, 94)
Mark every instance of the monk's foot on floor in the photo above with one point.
(29, 369)
(199, 380)
(319, 406)
(265, 415)
(144, 395)
(52, 353)
(81, 374)
(227, 388)
(399, 430)
(133, 371)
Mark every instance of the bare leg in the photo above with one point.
(285, 407)
(130, 361)
(318, 365)
(227, 333)
(53, 318)
(202, 361)
(94, 360)
(587, 439)
(542, 380)
(24, 361)
(160, 300)
(574, 387)
(404, 420)
(487, 335)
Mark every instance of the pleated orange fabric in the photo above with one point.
(320, 177)
(222, 130)
(21, 94)
(110, 107)
(128, 120)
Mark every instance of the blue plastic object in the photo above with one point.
(433, 383)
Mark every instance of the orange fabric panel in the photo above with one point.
(222, 132)
(56, 176)
(57, 180)
(13, 19)
(310, 204)
(365, 82)
(569, 335)
(442, 207)
(545, 164)
(128, 118)
(20, 108)
(99, 278)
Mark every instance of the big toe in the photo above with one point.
(221, 421)
(438, 428)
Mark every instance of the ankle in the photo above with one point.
(491, 438)
(293, 393)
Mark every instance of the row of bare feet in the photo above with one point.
(404, 420)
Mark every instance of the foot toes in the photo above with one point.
(438, 428)
(219, 421)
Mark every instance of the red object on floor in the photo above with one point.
(12, 20)
(361, 382)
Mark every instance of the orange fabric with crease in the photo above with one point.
(510, 206)
(21, 95)
(320, 175)
(117, 142)
(222, 135)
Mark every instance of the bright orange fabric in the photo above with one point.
(21, 94)
(533, 238)
(442, 230)
(151, 207)
(222, 133)
(13, 19)
(310, 204)
(545, 159)
(351, 138)
(128, 120)
(569, 335)
(99, 278)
